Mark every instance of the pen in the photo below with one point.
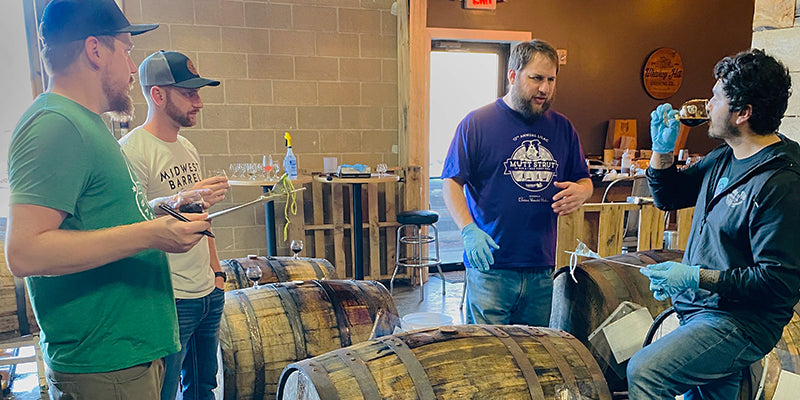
(171, 211)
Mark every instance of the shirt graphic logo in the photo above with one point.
(531, 166)
(721, 185)
(734, 198)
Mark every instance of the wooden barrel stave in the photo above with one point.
(276, 269)
(467, 361)
(263, 330)
(602, 286)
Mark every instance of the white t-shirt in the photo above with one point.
(164, 169)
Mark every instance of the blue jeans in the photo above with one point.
(509, 296)
(701, 359)
(195, 366)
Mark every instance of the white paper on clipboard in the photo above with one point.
(257, 200)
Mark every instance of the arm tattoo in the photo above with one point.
(709, 279)
(661, 160)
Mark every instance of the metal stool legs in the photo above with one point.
(416, 259)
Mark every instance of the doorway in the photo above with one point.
(463, 76)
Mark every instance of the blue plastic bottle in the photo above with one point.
(290, 161)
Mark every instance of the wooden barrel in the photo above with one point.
(784, 357)
(452, 362)
(579, 308)
(263, 330)
(13, 293)
(276, 269)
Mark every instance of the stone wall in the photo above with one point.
(784, 43)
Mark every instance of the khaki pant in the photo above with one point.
(140, 382)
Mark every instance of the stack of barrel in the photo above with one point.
(299, 310)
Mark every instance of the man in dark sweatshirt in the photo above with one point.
(740, 275)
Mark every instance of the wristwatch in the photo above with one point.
(221, 275)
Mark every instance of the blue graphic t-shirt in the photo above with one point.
(509, 165)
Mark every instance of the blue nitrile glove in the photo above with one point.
(664, 128)
(658, 291)
(672, 277)
(478, 245)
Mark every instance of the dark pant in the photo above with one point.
(141, 381)
(195, 366)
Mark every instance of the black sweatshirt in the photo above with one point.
(750, 231)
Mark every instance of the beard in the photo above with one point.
(726, 131)
(527, 107)
(183, 119)
(120, 103)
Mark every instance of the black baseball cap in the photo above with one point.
(170, 68)
(67, 20)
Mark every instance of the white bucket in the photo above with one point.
(425, 320)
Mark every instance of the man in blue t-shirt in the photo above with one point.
(513, 167)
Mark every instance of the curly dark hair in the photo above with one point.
(754, 78)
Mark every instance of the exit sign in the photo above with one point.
(479, 4)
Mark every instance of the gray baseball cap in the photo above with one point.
(170, 68)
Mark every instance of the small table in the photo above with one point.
(269, 207)
(358, 234)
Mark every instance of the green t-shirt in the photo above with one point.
(121, 314)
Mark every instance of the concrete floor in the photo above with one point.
(406, 297)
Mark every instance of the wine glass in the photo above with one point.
(253, 273)
(266, 163)
(693, 112)
(297, 247)
(381, 168)
(217, 172)
(276, 168)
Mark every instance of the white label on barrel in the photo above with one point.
(788, 386)
(626, 335)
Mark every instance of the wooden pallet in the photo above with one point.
(601, 227)
(328, 225)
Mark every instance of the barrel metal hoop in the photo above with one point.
(278, 269)
(289, 304)
(591, 364)
(364, 378)
(318, 375)
(372, 307)
(522, 360)
(561, 363)
(415, 370)
(238, 273)
(256, 345)
(338, 310)
(317, 270)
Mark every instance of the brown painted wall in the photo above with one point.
(607, 44)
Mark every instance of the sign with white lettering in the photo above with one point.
(479, 4)
(663, 73)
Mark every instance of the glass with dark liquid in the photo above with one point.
(253, 273)
(693, 112)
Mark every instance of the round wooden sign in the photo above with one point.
(663, 73)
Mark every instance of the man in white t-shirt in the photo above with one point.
(166, 164)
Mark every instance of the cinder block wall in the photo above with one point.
(324, 70)
(784, 43)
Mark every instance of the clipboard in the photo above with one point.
(264, 197)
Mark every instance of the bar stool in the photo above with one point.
(414, 220)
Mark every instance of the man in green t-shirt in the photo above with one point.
(80, 229)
